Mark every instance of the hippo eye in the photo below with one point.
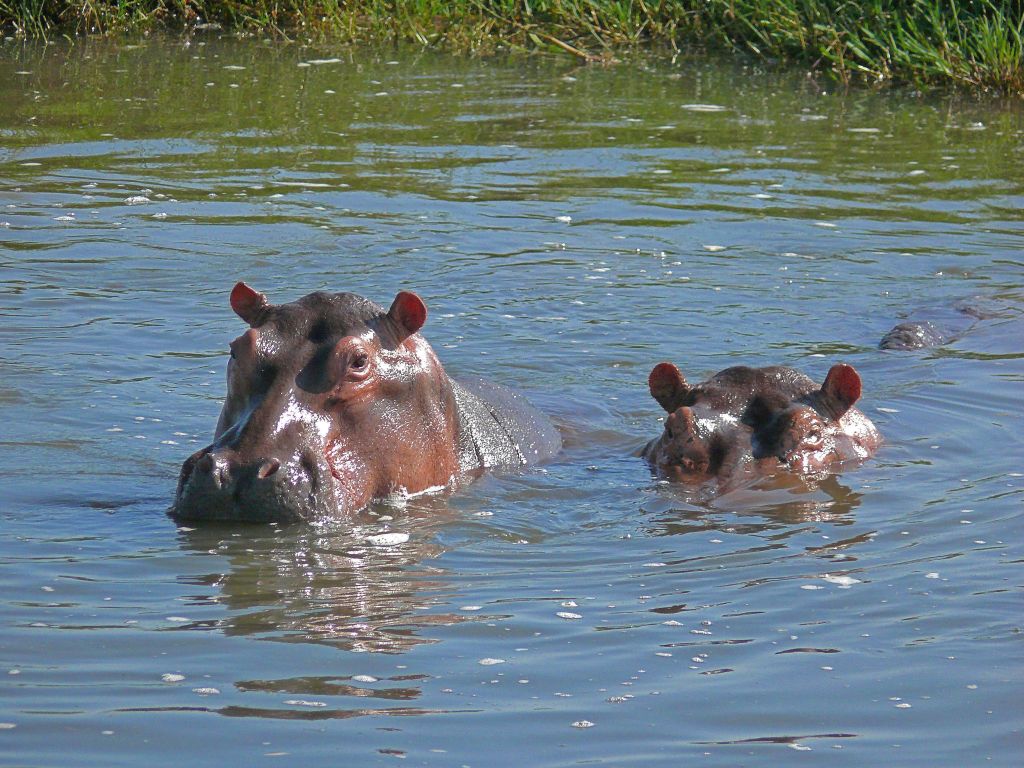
(359, 361)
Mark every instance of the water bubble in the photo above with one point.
(388, 539)
(844, 582)
(489, 662)
(171, 677)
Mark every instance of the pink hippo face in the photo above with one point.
(757, 420)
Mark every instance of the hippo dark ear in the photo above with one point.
(668, 386)
(408, 312)
(247, 303)
(842, 387)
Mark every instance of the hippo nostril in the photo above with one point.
(268, 468)
(217, 467)
(205, 463)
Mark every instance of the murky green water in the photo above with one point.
(568, 227)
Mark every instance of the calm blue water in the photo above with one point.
(568, 228)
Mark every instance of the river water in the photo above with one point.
(568, 227)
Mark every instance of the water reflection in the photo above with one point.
(354, 585)
(775, 502)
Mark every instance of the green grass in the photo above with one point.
(971, 42)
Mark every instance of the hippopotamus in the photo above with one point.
(913, 335)
(936, 325)
(333, 402)
(748, 420)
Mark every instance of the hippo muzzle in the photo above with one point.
(218, 484)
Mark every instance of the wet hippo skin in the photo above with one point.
(757, 420)
(913, 335)
(936, 326)
(333, 402)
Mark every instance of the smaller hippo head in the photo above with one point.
(331, 401)
(818, 430)
(757, 420)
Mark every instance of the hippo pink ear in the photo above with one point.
(668, 386)
(408, 312)
(842, 386)
(247, 303)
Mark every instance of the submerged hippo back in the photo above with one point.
(499, 427)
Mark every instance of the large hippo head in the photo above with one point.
(757, 420)
(331, 401)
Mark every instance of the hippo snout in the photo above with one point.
(218, 484)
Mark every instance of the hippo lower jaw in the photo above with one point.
(214, 487)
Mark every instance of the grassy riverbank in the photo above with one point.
(972, 42)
